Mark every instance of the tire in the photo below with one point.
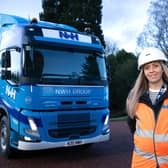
(5, 148)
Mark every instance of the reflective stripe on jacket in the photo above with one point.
(151, 135)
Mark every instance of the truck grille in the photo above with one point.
(72, 125)
(71, 132)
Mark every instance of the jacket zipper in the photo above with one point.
(154, 145)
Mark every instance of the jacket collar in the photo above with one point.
(145, 98)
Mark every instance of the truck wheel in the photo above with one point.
(5, 148)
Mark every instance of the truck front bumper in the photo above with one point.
(24, 145)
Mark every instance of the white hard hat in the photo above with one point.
(150, 54)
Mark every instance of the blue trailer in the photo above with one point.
(53, 86)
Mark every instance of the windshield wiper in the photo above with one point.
(73, 75)
(56, 75)
(59, 79)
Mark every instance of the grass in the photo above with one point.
(121, 118)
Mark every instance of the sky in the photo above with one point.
(122, 20)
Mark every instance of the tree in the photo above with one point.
(111, 48)
(123, 70)
(156, 30)
(83, 14)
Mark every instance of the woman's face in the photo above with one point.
(153, 72)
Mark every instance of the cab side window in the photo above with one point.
(15, 66)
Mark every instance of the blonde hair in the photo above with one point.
(140, 87)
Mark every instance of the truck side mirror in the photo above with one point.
(108, 70)
(6, 64)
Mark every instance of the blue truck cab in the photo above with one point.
(53, 86)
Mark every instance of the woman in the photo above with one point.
(147, 106)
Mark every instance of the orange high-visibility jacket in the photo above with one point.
(151, 134)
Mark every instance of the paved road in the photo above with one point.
(113, 154)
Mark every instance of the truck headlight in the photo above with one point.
(34, 130)
(106, 119)
(106, 128)
(32, 124)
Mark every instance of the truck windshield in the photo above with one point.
(66, 67)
